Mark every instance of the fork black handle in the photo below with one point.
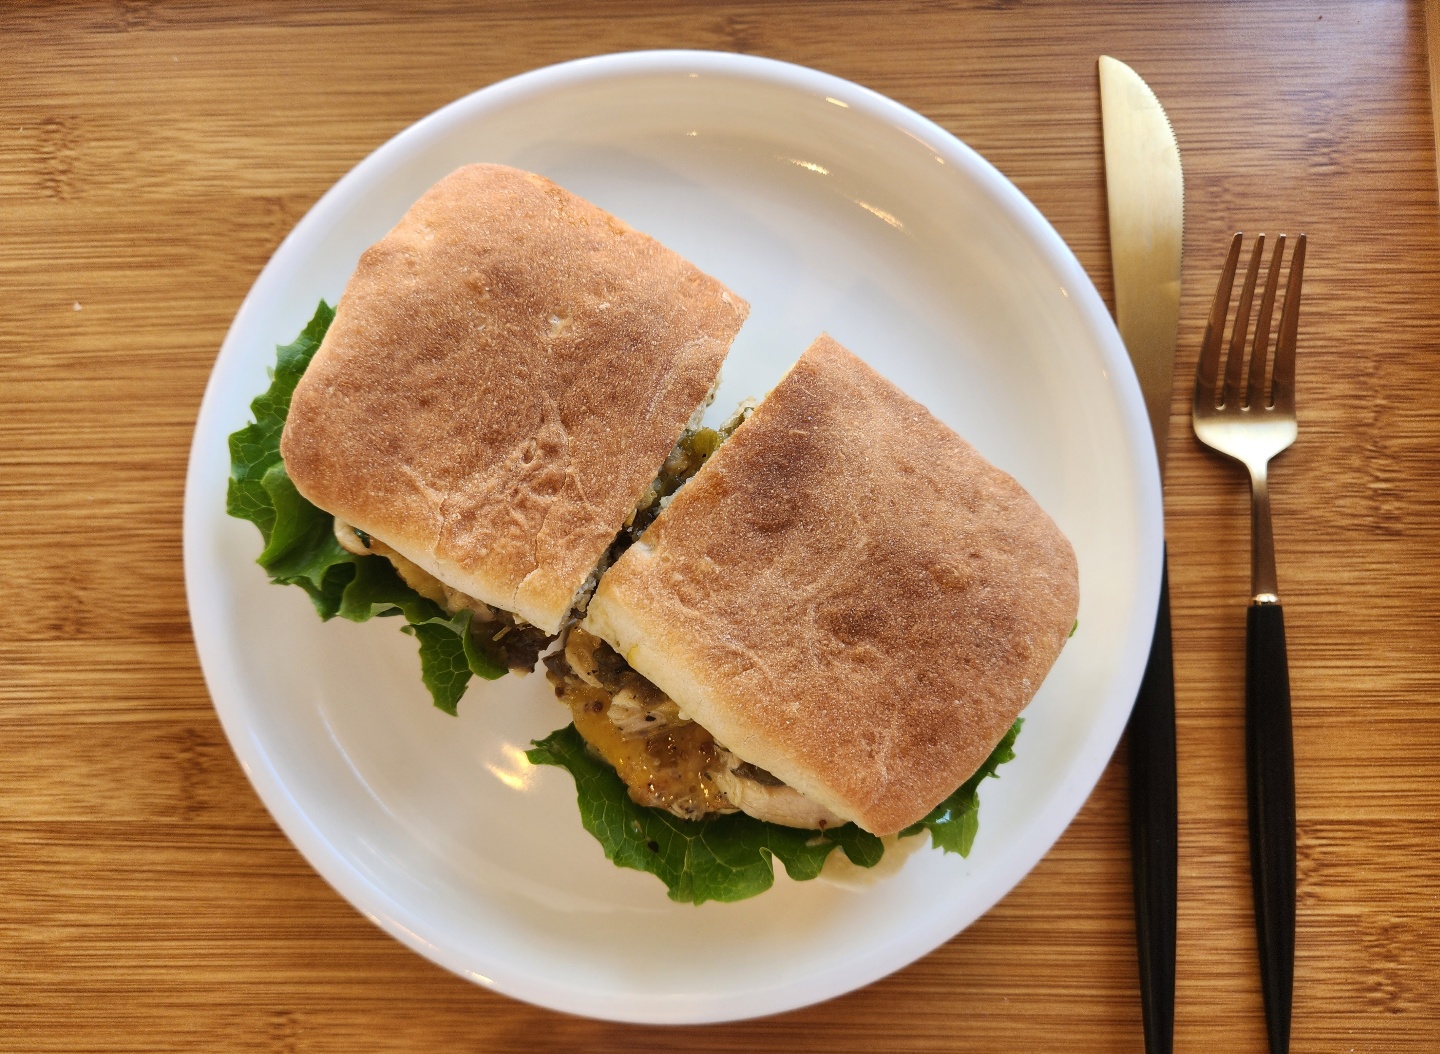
(1154, 831)
(1270, 766)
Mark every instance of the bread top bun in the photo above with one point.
(847, 595)
(506, 372)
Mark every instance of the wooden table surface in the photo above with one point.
(153, 156)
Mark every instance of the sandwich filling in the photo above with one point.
(666, 760)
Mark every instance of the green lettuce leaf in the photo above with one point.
(300, 547)
(255, 449)
(449, 655)
(442, 662)
(954, 823)
(730, 858)
(480, 662)
(377, 590)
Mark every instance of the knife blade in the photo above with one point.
(1145, 192)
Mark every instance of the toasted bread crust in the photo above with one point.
(847, 595)
(507, 370)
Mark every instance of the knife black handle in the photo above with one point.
(1154, 831)
(1270, 766)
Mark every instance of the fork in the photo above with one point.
(1244, 423)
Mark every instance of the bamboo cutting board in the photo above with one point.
(153, 158)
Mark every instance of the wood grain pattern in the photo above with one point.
(155, 155)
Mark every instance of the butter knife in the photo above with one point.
(1146, 196)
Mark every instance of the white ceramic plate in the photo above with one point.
(829, 208)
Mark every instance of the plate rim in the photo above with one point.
(396, 918)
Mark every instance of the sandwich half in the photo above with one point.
(507, 371)
(836, 619)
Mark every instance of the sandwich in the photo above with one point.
(813, 627)
(507, 372)
(836, 620)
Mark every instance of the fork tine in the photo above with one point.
(1235, 363)
(1208, 368)
(1255, 391)
(1283, 387)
